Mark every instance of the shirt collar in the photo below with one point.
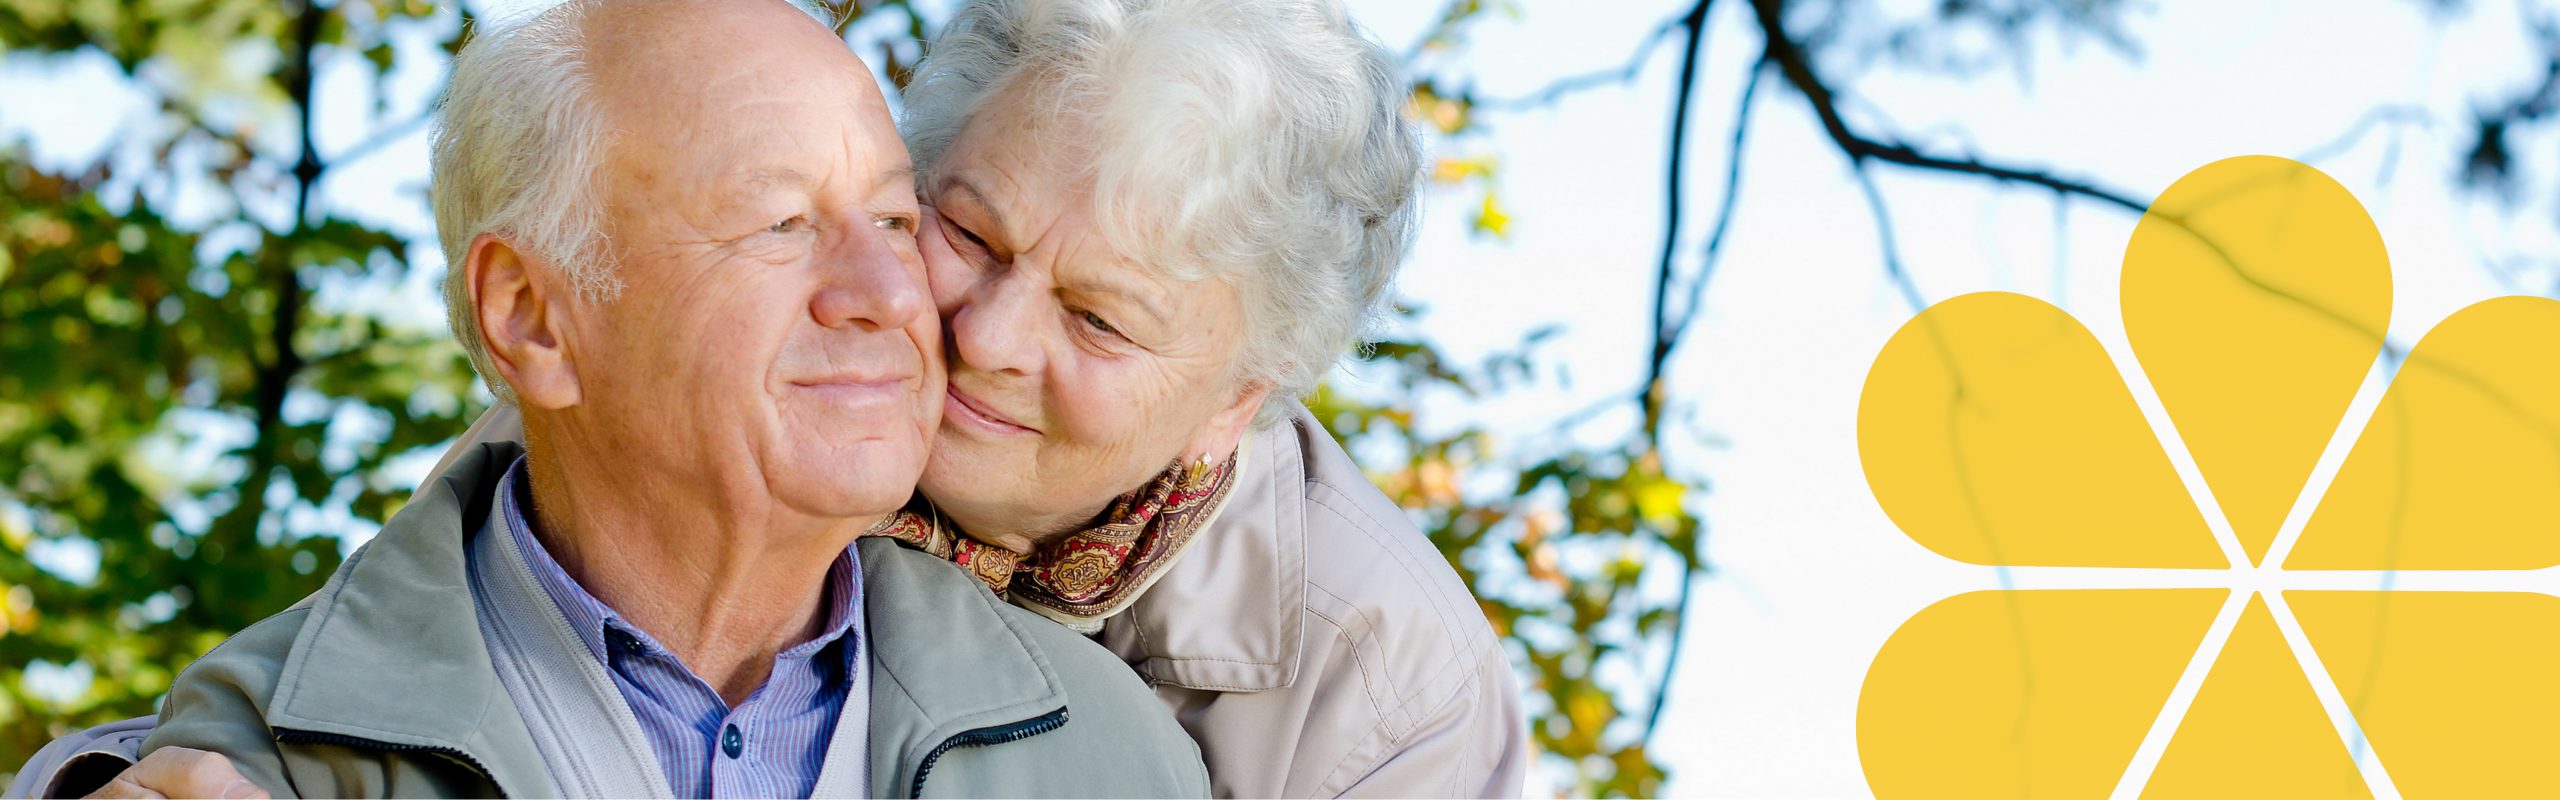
(592, 619)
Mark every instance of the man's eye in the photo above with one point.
(895, 224)
(792, 225)
(1096, 321)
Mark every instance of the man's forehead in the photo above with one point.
(667, 51)
(685, 20)
(886, 172)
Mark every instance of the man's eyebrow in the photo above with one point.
(769, 177)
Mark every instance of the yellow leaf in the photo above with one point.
(1491, 220)
(1658, 500)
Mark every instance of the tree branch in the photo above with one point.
(274, 377)
(386, 135)
(1664, 338)
(2379, 116)
(1650, 397)
(1562, 87)
(1797, 67)
(1690, 310)
(1885, 241)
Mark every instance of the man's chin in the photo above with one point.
(865, 478)
(864, 503)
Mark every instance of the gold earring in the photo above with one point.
(1196, 473)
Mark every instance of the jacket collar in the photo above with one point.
(945, 661)
(1231, 614)
(391, 651)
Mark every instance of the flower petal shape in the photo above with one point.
(2454, 689)
(2024, 693)
(2460, 467)
(2256, 292)
(2256, 729)
(1994, 430)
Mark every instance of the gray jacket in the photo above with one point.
(381, 683)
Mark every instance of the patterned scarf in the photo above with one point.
(1090, 574)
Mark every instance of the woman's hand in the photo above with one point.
(180, 772)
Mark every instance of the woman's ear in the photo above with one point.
(515, 304)
(1227, 427)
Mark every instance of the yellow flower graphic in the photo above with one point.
(1995, 430)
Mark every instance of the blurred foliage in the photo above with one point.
(1555, 538)
(176, 395)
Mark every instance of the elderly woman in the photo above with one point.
(1159, 223)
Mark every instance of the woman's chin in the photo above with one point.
(968, 482)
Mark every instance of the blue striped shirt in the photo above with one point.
(772, 744)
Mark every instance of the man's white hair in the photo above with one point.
(518, 144)
(1260, 142)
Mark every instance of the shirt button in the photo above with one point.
(731, 742)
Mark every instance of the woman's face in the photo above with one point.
(1075, 374)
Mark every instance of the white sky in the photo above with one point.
(1811, 577)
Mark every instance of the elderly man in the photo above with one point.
(682, 238)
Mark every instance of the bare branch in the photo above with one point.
(1798, 68)
(2380, 116)
(1724, 213)
(1590, 80)
(1650, 398)
(386, 135)
(1893, 266)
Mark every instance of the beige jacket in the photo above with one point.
(1312, 640)
(1315, 644)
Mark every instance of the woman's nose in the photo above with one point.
(947, 274)
(993, 328)
(869, 285)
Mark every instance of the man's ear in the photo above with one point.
(1228, 426)
(516, 305)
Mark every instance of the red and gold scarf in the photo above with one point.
(1090, 574)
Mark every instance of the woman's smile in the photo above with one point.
(973, 415)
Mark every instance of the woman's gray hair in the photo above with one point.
(1261, 142)
(518, 143)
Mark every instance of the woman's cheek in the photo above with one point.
(1125, 403)
(1097, 407)
(947, 274)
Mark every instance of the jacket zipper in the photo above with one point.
(999, 734)
(298, 736)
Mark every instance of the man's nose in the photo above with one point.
(869, 284)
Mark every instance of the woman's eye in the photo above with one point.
(895, 224)
(792, 225)
(1097, 323)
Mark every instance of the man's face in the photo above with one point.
(773, 336)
